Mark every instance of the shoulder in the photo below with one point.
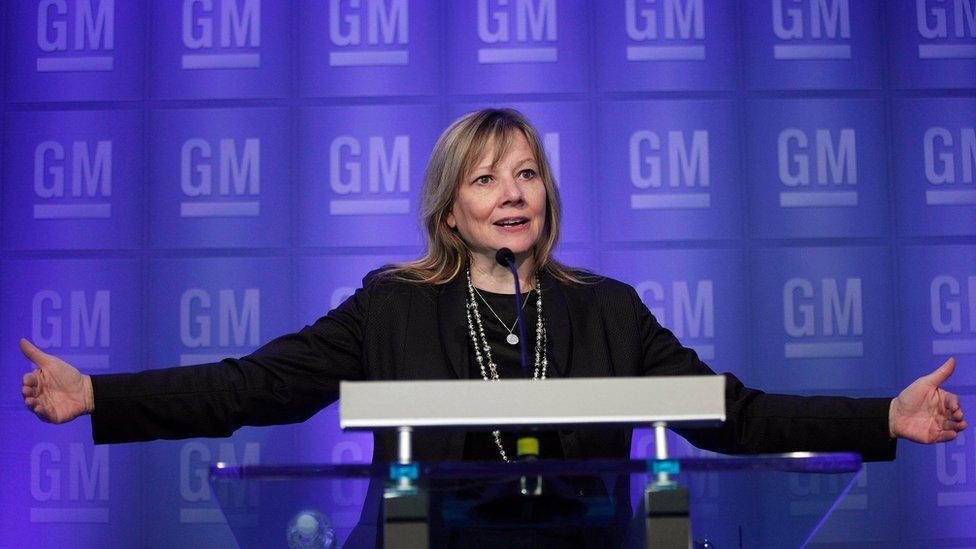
(613, 287)
(615, 303)
(603, 292)
(383, 283)
(598, 285)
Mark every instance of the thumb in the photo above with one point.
(32, 353)
(942, 373)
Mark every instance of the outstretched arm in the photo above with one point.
(926, 413)
(285, 381)
(55, 390)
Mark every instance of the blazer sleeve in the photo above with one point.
(285, 381)
(757, 422)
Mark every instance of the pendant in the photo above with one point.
(512, 339)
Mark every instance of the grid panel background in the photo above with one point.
(788, 183)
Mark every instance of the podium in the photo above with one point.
(713, 501)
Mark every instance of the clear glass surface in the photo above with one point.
(751, 501)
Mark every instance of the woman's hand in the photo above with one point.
(924, 412)
(56, 391)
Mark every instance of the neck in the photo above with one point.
(488, 275)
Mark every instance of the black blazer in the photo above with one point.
(397, 330)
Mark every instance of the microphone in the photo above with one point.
(527, 445)
(506, 258)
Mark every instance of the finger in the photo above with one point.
(30, 379)
(942, 373)
(946, 436)
(951, 401)
(957, 415)
(950, 425)
(28, 391)
(32, 353)
(41, 412)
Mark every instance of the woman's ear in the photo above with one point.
(451, 222)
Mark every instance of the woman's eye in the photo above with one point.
(527, 174)
(482, 180)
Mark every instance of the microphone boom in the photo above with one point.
(506, 258)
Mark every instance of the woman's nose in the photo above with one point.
(512, 190)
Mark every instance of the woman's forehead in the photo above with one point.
(490, 148)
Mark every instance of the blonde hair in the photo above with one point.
(461, 145)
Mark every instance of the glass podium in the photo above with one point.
(724, 501)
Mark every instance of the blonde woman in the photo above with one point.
(449, 315)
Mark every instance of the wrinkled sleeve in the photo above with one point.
(759, 422)
(285, 381)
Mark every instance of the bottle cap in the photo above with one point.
(527, 446)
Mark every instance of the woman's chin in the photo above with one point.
(519, 244)
(519, 248)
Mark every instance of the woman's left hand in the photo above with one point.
(926, 413)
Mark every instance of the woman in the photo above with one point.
(449, 315)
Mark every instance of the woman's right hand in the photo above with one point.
(56, 391)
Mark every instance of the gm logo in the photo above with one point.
(823, 27)
(950, 158)
(370, 32)
(75, 35)
(814, 493)
(195, 461)
(229, 320)
(824, 159)
(687, 309)
(660, 167)
(69, 482)
(238, 24)
(953, 469)
(676, 29)
(943, 25)
(369, 176)
(222, 177)
(74, 324)
(827, 309)
(517, 31)
(73, 179)
(952, 307)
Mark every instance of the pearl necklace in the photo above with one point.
(482, 350)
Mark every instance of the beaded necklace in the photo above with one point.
(482, 350)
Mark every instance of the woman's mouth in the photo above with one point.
(511, 222)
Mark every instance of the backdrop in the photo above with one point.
(789, 184)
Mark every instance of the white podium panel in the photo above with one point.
(685, 400)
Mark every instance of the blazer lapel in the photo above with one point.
(555, 312)
(453, 324)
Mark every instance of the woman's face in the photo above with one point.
(501, 205)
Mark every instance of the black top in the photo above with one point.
(480, 445)
(394, 330)
(506, 356)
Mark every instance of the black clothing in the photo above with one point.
(394, 330)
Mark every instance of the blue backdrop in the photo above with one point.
(789, 184)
